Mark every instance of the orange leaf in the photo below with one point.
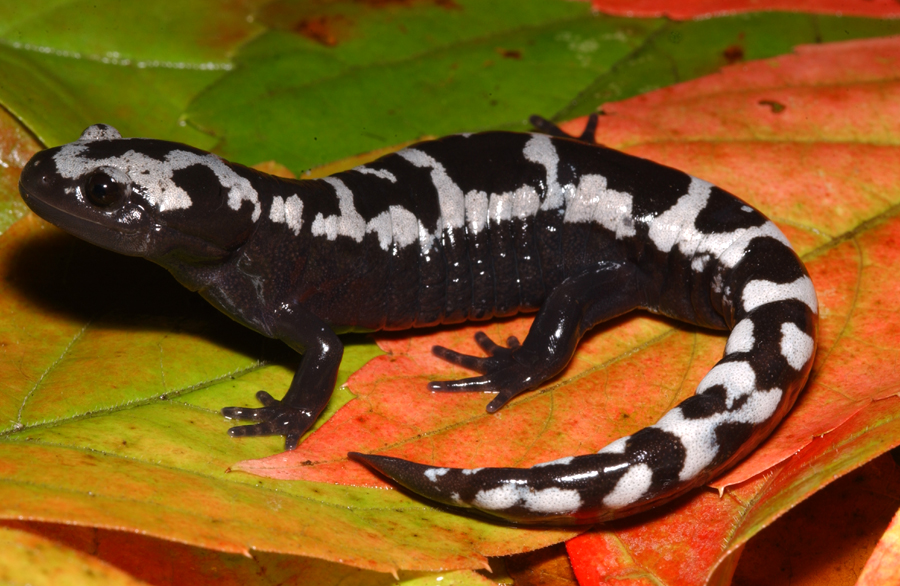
(395, 414)
(108, 554)
(36, 561)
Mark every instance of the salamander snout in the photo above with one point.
(39, 176)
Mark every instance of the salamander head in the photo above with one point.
(142, 197)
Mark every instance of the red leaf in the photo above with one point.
(665, 547)
(884, 565)
(832, 187)
(688, 9)
(828, 537)
(395, 414)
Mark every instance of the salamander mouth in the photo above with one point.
(67, 220)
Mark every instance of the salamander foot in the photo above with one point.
(507, 371)
(275, 418)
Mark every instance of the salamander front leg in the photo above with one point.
(310, 388)
(580, 302)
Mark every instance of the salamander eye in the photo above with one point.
(103, 190)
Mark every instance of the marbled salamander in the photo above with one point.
(469, 227)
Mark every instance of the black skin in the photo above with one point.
(573, 231)
(305, 290)
(578, 304)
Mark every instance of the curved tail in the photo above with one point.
(767, 360)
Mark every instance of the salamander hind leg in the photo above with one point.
(504, 370)
(498, 357)
(543, 125)
(605, 291)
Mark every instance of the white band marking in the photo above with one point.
(433, 473)
(289, 211)
(759, 292)
(698, 436)
(796, 347)
(550, 500)
(632, 486)
(741, 338)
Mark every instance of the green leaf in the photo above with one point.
(69, 64)
(404, 71)
(16, 147)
